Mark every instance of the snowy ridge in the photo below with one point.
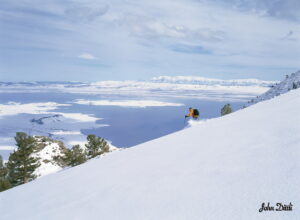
(209, 81)
(47, 150)
(222, 169)
(289, 83)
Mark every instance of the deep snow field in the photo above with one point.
(222, 168)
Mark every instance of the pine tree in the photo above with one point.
(4, 182)
(96, 146)
(74, 156)
(294, 85)
(226, 109)
(21, 165)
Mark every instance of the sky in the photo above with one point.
(93, 40)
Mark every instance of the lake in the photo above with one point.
(123, 126)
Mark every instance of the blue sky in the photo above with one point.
(92, 40)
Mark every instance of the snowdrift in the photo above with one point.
(224, 168)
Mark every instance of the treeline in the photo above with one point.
(22, 163)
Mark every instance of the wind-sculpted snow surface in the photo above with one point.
(222, 169)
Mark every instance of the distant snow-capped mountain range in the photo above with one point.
(190, 80)
(209, 81)
(163, 86)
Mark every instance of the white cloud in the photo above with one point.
(128, 103)
(87, 56)
(83, 13)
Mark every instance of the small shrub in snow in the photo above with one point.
(74, 156)
(4, 185)
(226, 109)
(295, 85)
(95, 146)
(4, 182)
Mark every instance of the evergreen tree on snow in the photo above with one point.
(226, 109)
(4, 182)
(21, 164)
(96, 146)
(74, 156)
(295, 85)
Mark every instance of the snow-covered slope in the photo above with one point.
(221, 169)
(290, 82)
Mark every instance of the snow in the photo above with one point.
(128, 103)
(81, 143)
(180, 90)
(219, 169)
(51, 148)
(178, 87)
(14, 108)
(45, 156)
(66, 132)
(79, 117)
(211, 81)
(43, 118)
(279, 88)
